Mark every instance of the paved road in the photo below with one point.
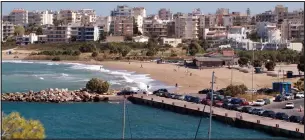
(280, 107)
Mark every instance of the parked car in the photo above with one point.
(279, 98)
(141, 91)
(181, 97)
(236, 107)
(268, 113)
(267, 101)
(228, 98)
(168, 95)
(296, 119)
(161, 94)
(247, 109)
(282, 116)
(205, 91)
(257, 111)
(221, 91)
(176, 96)
(288, 97)
(160, 90)
(126, 92)
(187, 98)
(218, 103)
(289, 105)
(195, 100)
(227, 105)
(259, 102)
(299, 95)
(244, 102)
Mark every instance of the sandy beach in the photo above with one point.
(187, 83)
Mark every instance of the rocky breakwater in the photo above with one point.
(58, 96)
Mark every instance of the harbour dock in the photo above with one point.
(238, 119)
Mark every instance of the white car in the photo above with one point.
(288, 97)
(300, 95)
(259, 102)
(141, 91)
(289, 105)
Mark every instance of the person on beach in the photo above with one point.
(190, 74)
(141, 66)
(176, 85)
(100, 67)
(147, 86)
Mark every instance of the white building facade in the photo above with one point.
(187, 27)
(7, 30)
(26, 39)
(40, 18)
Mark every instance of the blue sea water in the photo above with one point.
(101, 120)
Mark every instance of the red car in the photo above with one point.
(244, 102)
(218, 103)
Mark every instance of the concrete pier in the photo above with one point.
(243, 120)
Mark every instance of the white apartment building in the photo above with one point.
(7, 30)
(154, 26)
(68, 16)
(139, 21)
(165, 14)
(86, 16)
(40, 18)
(187, 26)
(17, 17)
(88, 33)
(171, 41)
(58, 33)
(237, 33)
(104, 22)
(262, 28)
(26, 39)
(121, 10)
(139, 11)
(274, 35)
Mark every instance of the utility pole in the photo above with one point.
(210, 127)
(252, 70)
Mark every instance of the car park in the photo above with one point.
(259, 102)
(181, 97)
(289, 105)
(218, 103)
(187, 98)
(288, 97)
(295, 119)
(268, 113)
(244, 102)
(281, 116)
(195, 100)
(267, 101)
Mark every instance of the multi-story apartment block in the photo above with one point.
(17, 17)
(68, 16)
(26, 39)
(122, 26)
(187, 26)
(237, 33)
(297, 14)
(262, 29)
(154, 26)
(267, 16)
(58, 33)
(292, 30)
(87, 33)
(7, 30)
(121, 10)
(281, 12)
(139, 21)
(210, 21)
(40, 18)
(104, 22)
(222, 11)
(227, 20)
(86, 16)
(171, 29)
(239, 19)
(165, 14)
(139, 11)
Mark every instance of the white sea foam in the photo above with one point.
(15, 61)
(41, 78)
(114, 82)
(64, 75)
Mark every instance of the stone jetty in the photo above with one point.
(58, 96)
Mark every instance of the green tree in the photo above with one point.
(270, 66)
(194, 48)
(19, 30)
(151, 52)
(234, 90)
(173, 53)
(97, 85)
(16, 127)
(125, 50)
(301, 63)
(243, 61)
(257, 63)
(39, 31)
(299, 84)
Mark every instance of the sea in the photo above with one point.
(102, 120)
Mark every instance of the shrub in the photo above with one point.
(243, 61)
(173, 53)
(270, 66)
(97, 85)
(151, 52)
(257, 63)
(56, 58)
(233, 90)
(76, 53)
(94, 54)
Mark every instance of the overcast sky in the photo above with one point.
(103, 8)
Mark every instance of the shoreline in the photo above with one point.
(170, 74)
